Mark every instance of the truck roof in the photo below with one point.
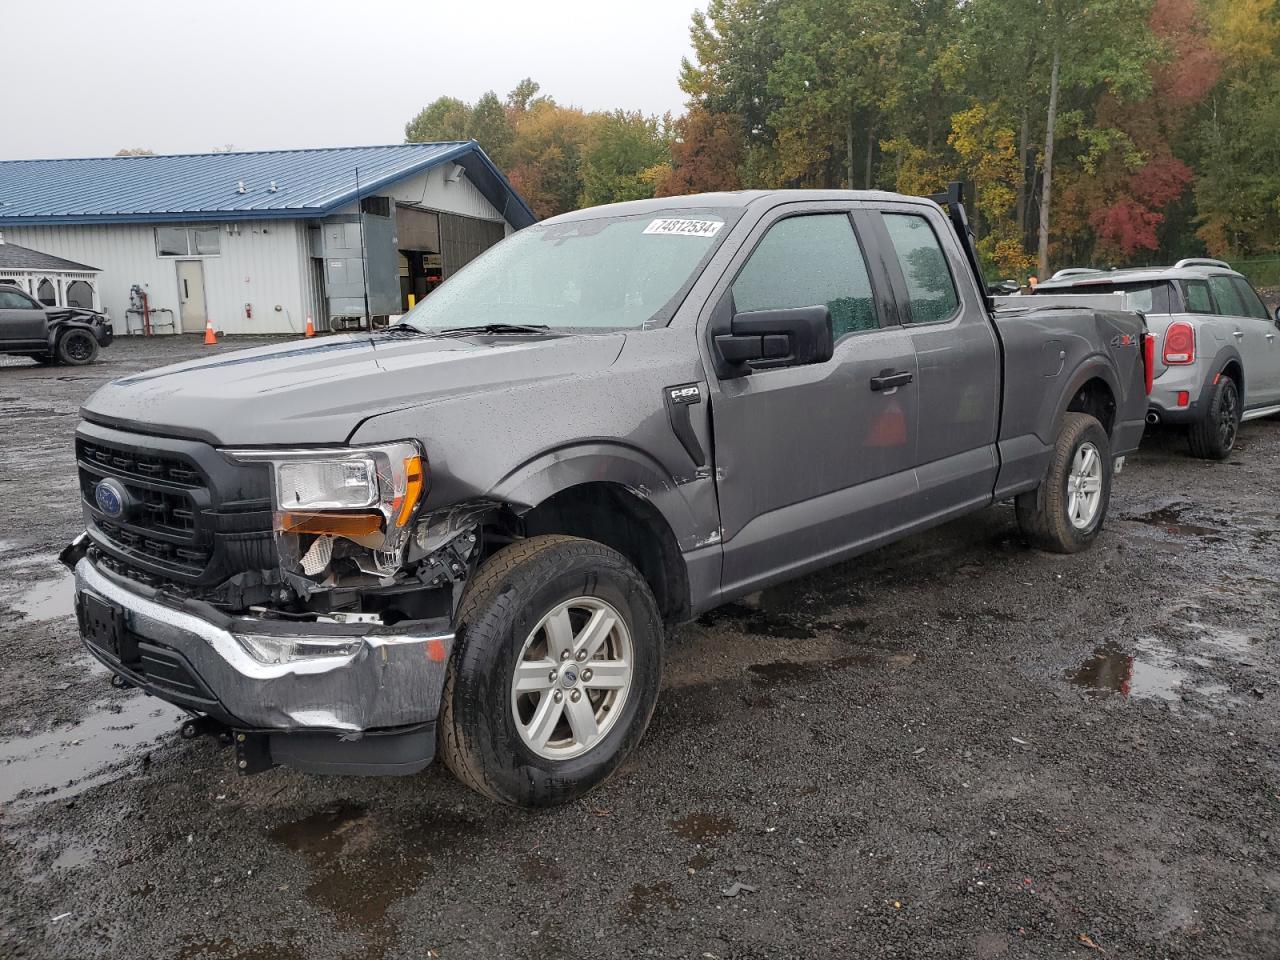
(732, 200)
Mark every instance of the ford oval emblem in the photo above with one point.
(110, 497)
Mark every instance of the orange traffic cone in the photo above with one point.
(209, 337)
(311, 328)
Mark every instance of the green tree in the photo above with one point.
(489, 125)
(622, 156)
(445, 118)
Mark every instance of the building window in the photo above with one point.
(200, 241)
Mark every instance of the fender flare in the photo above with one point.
(599, 461)
(59, 328)
(1093, 367)
(1225, 355)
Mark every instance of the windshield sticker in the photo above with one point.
(688, 228)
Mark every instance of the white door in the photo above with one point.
(192, 312)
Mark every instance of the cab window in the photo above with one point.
(931, 292)
(13, 300)
(1196, 293)
(809, 260)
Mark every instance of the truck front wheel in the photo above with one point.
(1066, 512)
(555, 673)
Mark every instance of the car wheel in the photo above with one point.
(77, 347)
(1065, 514)
(1213, 436)
(555, 673)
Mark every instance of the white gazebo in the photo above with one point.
(53, 281)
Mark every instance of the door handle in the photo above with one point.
(1238, 335)
(891, 380)
(1271, 336)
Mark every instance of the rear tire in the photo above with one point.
(527, 603)
(77, 347)
(1066, 512)
(1213, 436)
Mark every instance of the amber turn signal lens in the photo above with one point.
(415, 480)
(350, 525)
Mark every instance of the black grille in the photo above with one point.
(192, 517)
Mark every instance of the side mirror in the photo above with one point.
(763, 339)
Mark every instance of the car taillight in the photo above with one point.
(1180, 343)
(1149, 360)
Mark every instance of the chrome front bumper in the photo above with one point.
(391, 679)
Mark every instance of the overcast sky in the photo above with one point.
(87, 77)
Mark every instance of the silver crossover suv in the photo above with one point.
(1217, 353)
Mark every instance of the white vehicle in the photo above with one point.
(1217, 357)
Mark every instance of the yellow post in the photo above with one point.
(412, 301)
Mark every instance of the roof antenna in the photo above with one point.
(364, 256)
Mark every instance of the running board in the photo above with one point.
(1260, 412)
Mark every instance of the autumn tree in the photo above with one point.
(445, 118)
(706, 150)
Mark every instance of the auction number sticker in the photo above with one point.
(687, 228)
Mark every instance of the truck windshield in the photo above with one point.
(601, 274)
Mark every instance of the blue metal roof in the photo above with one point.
(206, 186)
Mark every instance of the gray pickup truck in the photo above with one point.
(475, 529)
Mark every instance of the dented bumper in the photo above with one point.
(340, 678)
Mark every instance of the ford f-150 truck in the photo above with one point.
(473, 531)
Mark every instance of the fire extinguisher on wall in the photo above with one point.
(248, 311)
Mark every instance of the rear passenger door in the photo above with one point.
(957, 355)
(811, 461)
(1267, 389)
(1250, 336)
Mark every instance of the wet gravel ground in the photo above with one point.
(953, 747)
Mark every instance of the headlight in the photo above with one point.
(363, 495)
(270, 649)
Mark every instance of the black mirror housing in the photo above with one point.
(762, 339)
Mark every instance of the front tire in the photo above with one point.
(1065, 514)
(555, 674)
(77, 347)
(1213, 436)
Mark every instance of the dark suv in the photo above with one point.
(70, 335)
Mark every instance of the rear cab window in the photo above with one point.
(931, 290)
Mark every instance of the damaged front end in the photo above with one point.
(331, 652)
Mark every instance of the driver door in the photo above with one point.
(813, 460)
(22, 320)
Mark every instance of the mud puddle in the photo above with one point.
(1169, 519)
(800, 671)
(48, 599)
(699, 827)
(64, 761)
(647, 898)
(365, 861)
(1153, 671)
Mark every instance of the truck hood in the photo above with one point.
(319, 392)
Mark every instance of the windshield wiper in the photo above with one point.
(496, 328)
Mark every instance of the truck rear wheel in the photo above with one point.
(555, 674)
(1213, 436)
(1066, 512)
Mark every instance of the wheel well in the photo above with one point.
(613, 515)
(1232, 369)
(1096, 399)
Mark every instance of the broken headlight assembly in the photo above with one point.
(343, 510)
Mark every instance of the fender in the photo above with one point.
(1225, 355)
(64, 324)
(1096, 366)
(606, 461)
